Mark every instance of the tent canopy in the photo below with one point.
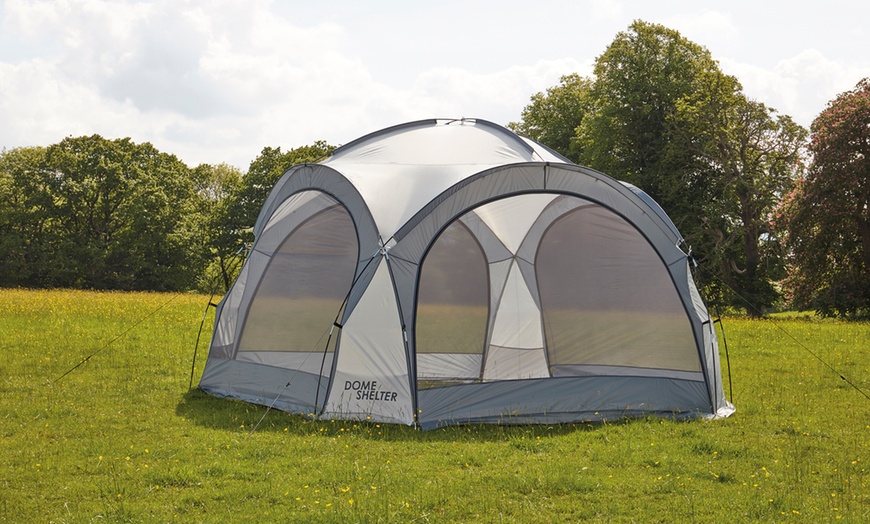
(451, 271)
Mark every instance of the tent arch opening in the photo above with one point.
(589, 293)
(311, 252)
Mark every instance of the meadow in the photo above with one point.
(122, 437)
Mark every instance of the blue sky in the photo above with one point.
(216, 81)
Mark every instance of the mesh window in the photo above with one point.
(607, 298)
(306, 281)
(452, 309)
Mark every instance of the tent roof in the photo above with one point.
(419, 160)
(443, 142)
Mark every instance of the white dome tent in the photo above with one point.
(451, 271)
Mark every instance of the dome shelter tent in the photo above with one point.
(451, 271)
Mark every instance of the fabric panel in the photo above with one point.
(301, 292)
(503, 363)
(448, 366)
(371, 374)
(413, 238)
(417, 166)
(511, 218)
(288, 390)
(517, 316)
(553, 400)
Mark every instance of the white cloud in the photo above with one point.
(799, 86)
(606, 9)
(705, 27)
(29, 18)
(498, 96)
(176, 77)
(215, 81)
(36, 103)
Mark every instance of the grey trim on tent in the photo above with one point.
(559, 399)
(655, 207)
(257, 384)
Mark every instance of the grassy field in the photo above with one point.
(122, 439)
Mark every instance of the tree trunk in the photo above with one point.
(755, 308)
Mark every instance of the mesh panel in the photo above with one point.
(452, 307)
(602, 293)
(305, 283)
(607, 297)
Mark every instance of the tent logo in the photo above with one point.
(368, 390)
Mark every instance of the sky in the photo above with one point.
(216, 81)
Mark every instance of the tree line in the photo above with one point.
(94, 213)
(776, 215)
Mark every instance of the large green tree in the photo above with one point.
(102, 214)
(24, 215)
(661, 114)
(749, 157)
(552, 118)
(827, 217)
(639, 80)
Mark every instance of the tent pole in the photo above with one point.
(235, 259)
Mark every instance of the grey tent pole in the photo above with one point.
(205, 313)
(336, 324)
(198, 335)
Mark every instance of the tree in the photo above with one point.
(24, 215)
(827, 217)
(103, 214)
(215, 183)
(751, 156)
(232, 220)
(552, 118)
(120, 209)
(629, 132)
(216, 186)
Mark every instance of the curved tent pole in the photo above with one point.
(412, 372)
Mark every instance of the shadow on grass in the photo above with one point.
(241, 417)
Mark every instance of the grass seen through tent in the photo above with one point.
(121, 439)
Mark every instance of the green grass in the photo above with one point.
(121, 439)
